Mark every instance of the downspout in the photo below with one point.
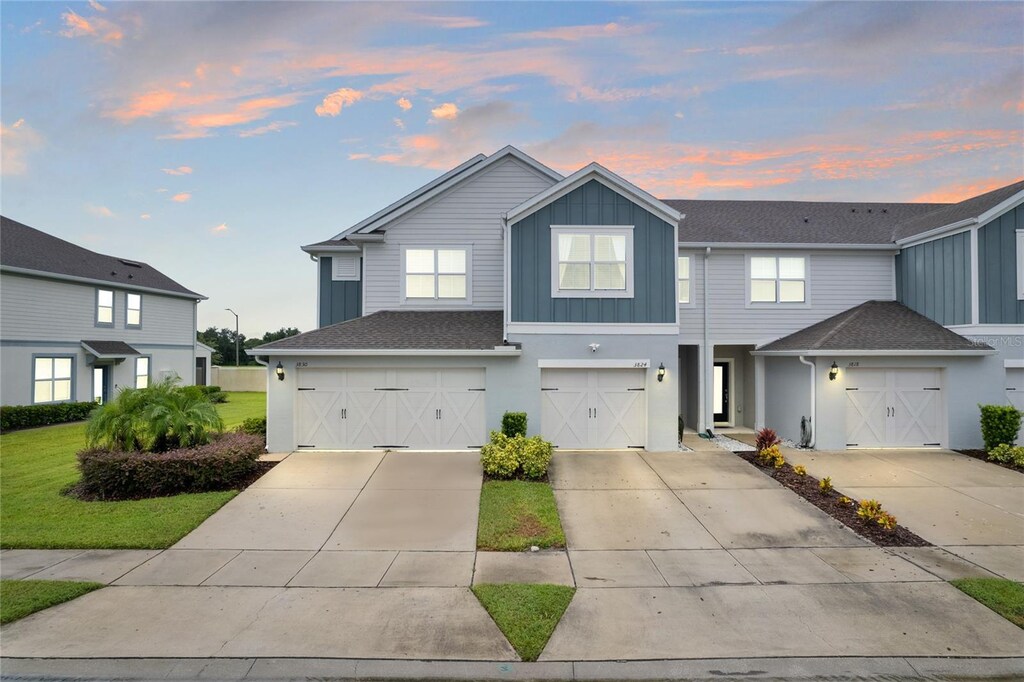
(703, 416)
(814, 401)
(506, 276)
(316, 316)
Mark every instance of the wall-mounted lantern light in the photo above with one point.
(833, 372)
(661, 372)
(280, 371)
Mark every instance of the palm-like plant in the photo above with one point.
(180, 420)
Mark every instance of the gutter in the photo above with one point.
(779, 246)
(498, 351)
(814, 400)
(191, 295)
(506, 280)
(702, 417)
(875, 353)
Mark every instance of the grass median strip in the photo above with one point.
(525, 614)
(515, 515)
(1005, 597)
(20, 598)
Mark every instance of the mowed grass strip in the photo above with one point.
(20, 598)
(526, 614)
(36, 464)
(1005, 597)
(515, 515)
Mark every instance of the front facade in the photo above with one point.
(76, 325)
(614, 318)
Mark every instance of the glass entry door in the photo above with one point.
(101, 384)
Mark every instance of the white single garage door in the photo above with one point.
(594, 408)
(1015, 394)
(894, 408)
(358, 409)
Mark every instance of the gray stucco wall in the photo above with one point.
(997, 270)
(654, 287)
(787, 396)
(339, 301)
(934, 279)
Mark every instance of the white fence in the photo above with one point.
(240, 378)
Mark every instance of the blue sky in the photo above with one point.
(212, 139)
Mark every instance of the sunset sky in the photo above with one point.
(212, 139)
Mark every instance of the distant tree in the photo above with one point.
(223, 343)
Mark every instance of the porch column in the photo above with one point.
(758, 392)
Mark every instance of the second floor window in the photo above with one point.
(105, 307)
(435, 274)
(594, 262)
(684, 279)
(778, 279)
(134, 310)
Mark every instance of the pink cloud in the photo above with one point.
(180, 170)
(964, 190)
(584, 32)
(99, 211)
(272, 127)
(337, 100)
(17, 143)
(446, 111)
(182, 197)
(404, 104)
(97, 28)
(145, 216)
(358, 156)
(219, 229)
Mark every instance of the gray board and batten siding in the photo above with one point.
(594, 204)
(934, 279)
(339, 300)
(997, 269)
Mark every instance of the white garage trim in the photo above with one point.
(895, 408)
(594, 364)
(594, 408)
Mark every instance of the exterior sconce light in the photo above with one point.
(279, 370)
(833, 372)
(661, 372)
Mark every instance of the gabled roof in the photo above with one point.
(453, 330)
(595, 171)
(791, 222)
(107, 350)
(875, 326)
(28, 250)
(975, 210)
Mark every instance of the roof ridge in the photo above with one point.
(853, 314)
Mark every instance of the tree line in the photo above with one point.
(222, 341)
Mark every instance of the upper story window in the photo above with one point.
(105, 307)
(51, 380)
(141, 372)
(778, 279)
(594, 262)
(436, 274)
(133, 316)
(684, 279)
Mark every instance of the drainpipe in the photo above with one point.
(705, 379)
(814, 401)
(506, 280)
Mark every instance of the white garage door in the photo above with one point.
(424, 409)
(594, 408)
(894, 408)
(1015, 393)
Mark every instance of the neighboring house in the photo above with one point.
(76, 325)
(609, 316)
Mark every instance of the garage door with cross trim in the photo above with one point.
(594, 408)
(894, 408)
(358, 409)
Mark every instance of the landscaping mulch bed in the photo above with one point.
(75, 491)
(806, 486)
(983, 456)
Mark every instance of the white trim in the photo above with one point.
(99, 282)
(1006, 205)
(594, 364)
(776, 304)
(1020, 264)
(993, 329)
(975, 288)
(590, 328)
(759, 392)
(498, 351)
(777, 246)
(592, 231)
(938, 233)
(436, 303)
(731, 362)
(873, 353)
(314, 251)
(338, 275)
(595, 171)
(1013, 364)
(692, 303)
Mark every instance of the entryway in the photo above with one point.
(101, 384)
(894, 408)
(594, 408)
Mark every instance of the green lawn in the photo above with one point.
(36, 464)
(20, 598)
(517, 514)
(1005, 597)
(526, 614)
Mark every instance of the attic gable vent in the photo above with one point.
(345, 267)
(130, 263)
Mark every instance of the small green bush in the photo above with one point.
(1007, 454)
(535, 457)
(256, 426)
(513, 424)
(223, 464)
(14, 417)
(999, 424)
(515, 457)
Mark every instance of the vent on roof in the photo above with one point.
(130, 263)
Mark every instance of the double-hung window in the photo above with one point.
(141, 372)
(778, 279)
(51, 380)
(105, 307)
(133, 307)
(436, 274)
(595, 262)
(684, 279)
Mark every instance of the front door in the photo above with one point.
(101, 384)
(721, 390)
(200, 371)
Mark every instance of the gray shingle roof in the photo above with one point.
(792, 222)
(403, 330)
(25, 247)
(109, 349)
(874, 326)
(330, 242)
(954, 213)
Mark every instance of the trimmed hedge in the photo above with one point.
(256, 426)
(513, 424)
(999, 425)
(14, 417)
(225, 463)
(516, 457)
(212, 393)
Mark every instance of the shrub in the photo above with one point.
(535, 457)
(843, 499)
(779, 461)
(513, 424)
(516, 456)
(224, 463)
(256, 426)
(869, 510)
(211, 393)
(825, 485)
(886, 521)
(14, 417)
(800, 470)
(765, 439)
(769, 454)
(1007, 454)
(999, 425)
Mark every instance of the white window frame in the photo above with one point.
(437, 302)
(689, 303)
(148, 374)
(128, 311)
(112, 306)
(592, 230)
(806, 303)
(1020, 265)
(345, 267)
(53, 379)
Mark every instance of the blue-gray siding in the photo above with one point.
(934, 279)
(654, 248)
(997, 270)
(339, 301)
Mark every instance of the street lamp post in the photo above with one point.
(236, 333)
